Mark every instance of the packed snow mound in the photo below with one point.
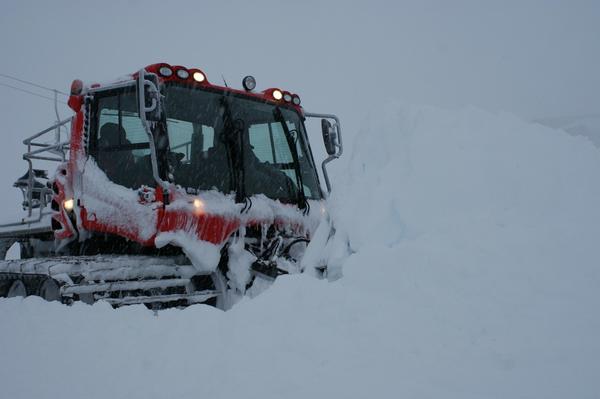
(475, 275)
(418, 171)
(582, 125)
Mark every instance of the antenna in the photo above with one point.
(224, 81)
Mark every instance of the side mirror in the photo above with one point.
(329, 136)
(149, 97)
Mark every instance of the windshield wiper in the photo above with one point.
(235, 152)
(302, 201)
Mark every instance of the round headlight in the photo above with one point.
(165, 71)
(182, 74)
(199, 76)
(287, 97)
(198, 206)
(277, 94)
(249, 83)
(68, 204)
(296, 100)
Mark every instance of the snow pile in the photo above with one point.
(475, 276)
(472, 177)
(583, 125)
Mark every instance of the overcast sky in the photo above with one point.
(532, 58)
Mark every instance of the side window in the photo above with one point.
(134, 132)
(121, 143)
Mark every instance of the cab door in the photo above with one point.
(117, 187)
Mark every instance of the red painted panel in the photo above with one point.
(212, 228)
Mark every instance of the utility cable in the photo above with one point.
(30, 92)
(33, 84)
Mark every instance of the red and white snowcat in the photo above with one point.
(169, 191)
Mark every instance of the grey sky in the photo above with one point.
(533, 58)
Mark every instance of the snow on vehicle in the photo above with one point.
(169, 191)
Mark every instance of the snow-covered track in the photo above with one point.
(118, 280)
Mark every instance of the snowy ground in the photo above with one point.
(475, 276)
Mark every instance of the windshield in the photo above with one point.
(231, 144)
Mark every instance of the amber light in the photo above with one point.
(76, 87)
(198, 206)
(199, 77)
(69, 204)
(277, 94)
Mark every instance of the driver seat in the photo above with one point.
(114, 156)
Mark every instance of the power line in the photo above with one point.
(30, 92)
(33, 84)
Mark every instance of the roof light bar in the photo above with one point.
(277, 94)
(199, 77)
(182, 74)
(165, 71)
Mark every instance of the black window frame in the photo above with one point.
(95, 121)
